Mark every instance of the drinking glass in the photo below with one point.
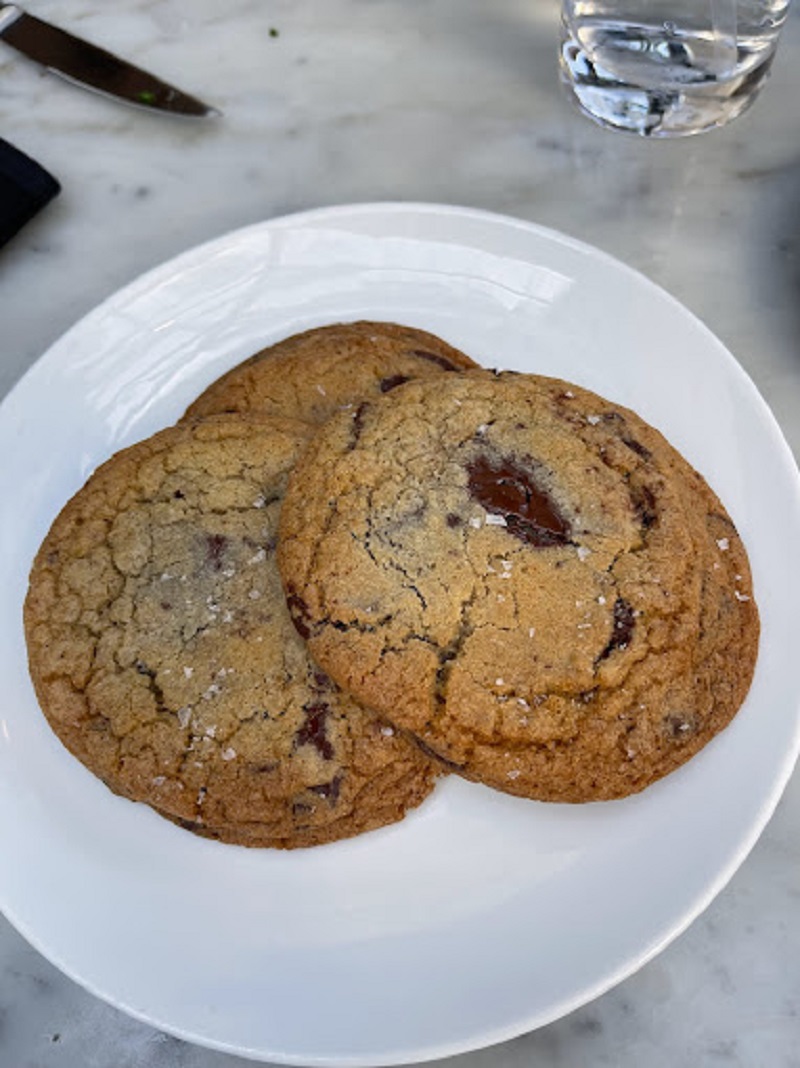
(667, 68)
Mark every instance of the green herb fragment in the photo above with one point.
(273, 32)
(146, 96)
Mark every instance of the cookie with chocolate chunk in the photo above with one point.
(310, 376)
(524, 575)
(165, 660)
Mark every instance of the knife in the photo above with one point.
(91, 67)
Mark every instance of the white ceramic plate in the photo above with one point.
(480, 916)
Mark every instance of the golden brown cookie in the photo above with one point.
(310, 376)
(524, 575)
(164, 658)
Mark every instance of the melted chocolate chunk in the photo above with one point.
(329, 790)
(298, 610)
(509, 489)
(433, 357)
(313, 731)
(622, 630)
(215, 550)
(392, 382)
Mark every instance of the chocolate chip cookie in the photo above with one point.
(164, 658)
(526, 577)
(311, 375)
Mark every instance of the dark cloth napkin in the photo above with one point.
(25, 188)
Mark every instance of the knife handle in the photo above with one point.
(25, 188)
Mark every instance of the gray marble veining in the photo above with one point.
(449, 101)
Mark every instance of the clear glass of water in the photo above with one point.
(667, 68)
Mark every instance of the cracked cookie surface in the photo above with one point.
(310, 376)
(526, 577)
(164, 658)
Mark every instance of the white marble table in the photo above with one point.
(447, 101)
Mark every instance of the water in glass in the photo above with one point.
(668, 67)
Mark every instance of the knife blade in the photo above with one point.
(91, 67)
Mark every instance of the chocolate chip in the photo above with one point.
(433, 357)
(454, 520)
(178, 495)
(509, 489)
(329, 790)
(313, 731)
(639, 449)
(622, 628)
(215, 550)
(644, 503)
(392, 382)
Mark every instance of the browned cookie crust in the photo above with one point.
(164, 658)
(310, 376)
(527, 577)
